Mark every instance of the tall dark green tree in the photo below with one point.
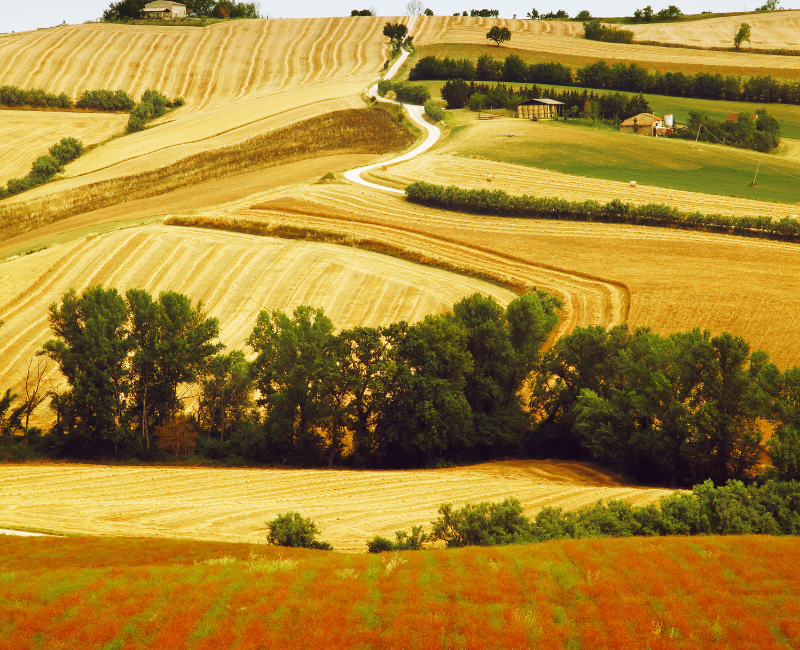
(91, 349)
(226, 395)
(294, 371)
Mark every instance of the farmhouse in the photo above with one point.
(540, 109)
(165, 10)
(734, 117)
(642, 124)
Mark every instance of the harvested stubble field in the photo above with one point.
(770, 30)
(528, 35)
(234, 275)
(233, 505)
(666, 279)
(365, 131)
(668, 593)
(26, 135)
(669, 164)
(470, 173)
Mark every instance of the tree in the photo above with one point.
(34, 396)
(362, 12)
(533, 14)
(415, 8)
(429, 12)
(397, 33)
(124, 10)
(583, 15)
(499, 35)
(294, 372)
(455, 93)
(294, 530)
(230, 9)
(177, 437)
(226, 394)
(741, 35)
(91, 350)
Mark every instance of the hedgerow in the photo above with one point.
(14, 97)
(498, 202)
(153, 106)
(45, 167)
(106, 100)
(594, 30)
(406, 93)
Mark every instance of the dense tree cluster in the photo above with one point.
(760, 132)
(647, 15)
(105, 100)
(132, 9)
(594, 30)
(14, 97)
(619, 76)
(45, 167)
(153, 106)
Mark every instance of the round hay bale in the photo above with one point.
(490, 177)
(633, 183)
(384, 168)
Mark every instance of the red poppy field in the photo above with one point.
(86, 592)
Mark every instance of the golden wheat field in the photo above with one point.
(26, 135)
(472, 173)
(666, 279)
(532, 35)
(234, 275)
(233, 505)
(769, 30)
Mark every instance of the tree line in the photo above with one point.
(93, 100)
(759, 131)
(499, 202)
(619, 76)
(148, 379)
(124, 10)
(45, 167)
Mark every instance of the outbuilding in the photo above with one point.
(642, 124)
(165, 10)
(540, 109)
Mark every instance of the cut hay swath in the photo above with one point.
(234, 275)
(606, 274)
(227, 504)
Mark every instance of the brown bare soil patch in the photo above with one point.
(234, 504)
(353, 131)
(668, 280)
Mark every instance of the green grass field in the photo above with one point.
(608, 154)
(92, 593)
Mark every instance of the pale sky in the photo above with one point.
(30, 14)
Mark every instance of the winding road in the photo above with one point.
(416, 114)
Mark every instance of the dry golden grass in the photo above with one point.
(563, 40)
(668, 280)
(352, 131)
(26, 135)
(769, 31)
(233, 504)
(234, 275)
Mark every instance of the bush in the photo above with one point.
(379, 544)
(106, 100)
(434, 111)
(405, 542)
(483, 524)
(153, 106)
(67, 150)
(595, 31)
(407, 93)
(18, 98)
(45, 167)
(291, 529)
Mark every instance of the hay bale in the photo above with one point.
(490, 177)
(633, 183)
(384, 168)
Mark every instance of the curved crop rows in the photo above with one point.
(233, 504)
(204, 65)
(528, 35)
(769, 30)
(26, 135)
(235, 276)
(607, 274)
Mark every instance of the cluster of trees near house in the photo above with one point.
(132, 9)
(673, 410)
(601, 75)
(760, 132)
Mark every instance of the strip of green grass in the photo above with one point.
(96, 593)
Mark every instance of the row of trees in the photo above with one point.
(93, 100)
(45, 167)
(594, 30)
(153, 106)
(132, 9)
(619, 76)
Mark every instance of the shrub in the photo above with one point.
(434, 111)
(379, 544)
(153, 106)
(106, 100)
(36, 98)
(291, 529)
(43, 169)
(406, 93)
(595, 31)
(67, 150)
(483, 524)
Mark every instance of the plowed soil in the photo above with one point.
(233, 505)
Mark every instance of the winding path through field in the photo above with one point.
(416, 114)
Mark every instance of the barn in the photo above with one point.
(540, 109)
(164, 10)
(642, 124)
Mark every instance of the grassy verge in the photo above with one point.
(349, 131)
(735, 592)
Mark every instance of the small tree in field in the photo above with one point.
(499, 35)
(742, 35)
(397, 34)
(291, 529)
